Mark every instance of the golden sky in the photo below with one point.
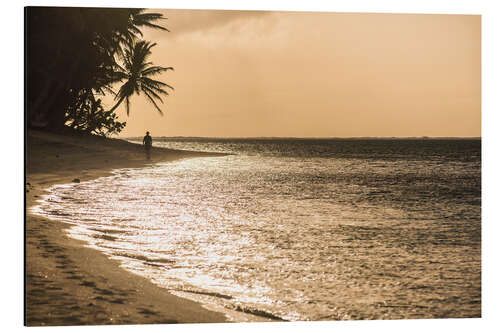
(305, 74)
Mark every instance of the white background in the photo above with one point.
(12, 132)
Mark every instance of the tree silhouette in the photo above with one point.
(75, 53)
(137, 73)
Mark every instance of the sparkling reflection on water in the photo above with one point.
(298, 237)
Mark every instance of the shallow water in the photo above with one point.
(297, 229)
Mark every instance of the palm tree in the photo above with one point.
(70, 50)
(137, 73)
(135, 19)
(141, 19)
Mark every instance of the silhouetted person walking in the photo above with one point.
(148, 143)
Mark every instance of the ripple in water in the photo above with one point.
(306, 237)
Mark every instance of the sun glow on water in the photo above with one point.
(298, 237)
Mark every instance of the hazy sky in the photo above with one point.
(303, 74)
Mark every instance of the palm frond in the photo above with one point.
(146, 19)
(156, 84)
(148, 90)
(105, 89)
(126, 89)
(155, 70)
(137, 73)
(153, 102)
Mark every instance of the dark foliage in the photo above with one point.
(87, 115)
(137, 73)
(76, 54)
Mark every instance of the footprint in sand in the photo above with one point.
(117, 301)
(88, 284)
(147, 312)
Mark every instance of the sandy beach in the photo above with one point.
(69, 284)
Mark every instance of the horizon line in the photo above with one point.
(309, 138)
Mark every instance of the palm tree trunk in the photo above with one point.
(117, 104)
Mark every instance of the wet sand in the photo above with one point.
(69, 284)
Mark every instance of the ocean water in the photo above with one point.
(296, 229)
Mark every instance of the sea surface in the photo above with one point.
(297, 229)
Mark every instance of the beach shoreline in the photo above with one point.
(67, 283)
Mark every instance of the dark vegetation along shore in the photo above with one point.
(69, 284)
(75, 56)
